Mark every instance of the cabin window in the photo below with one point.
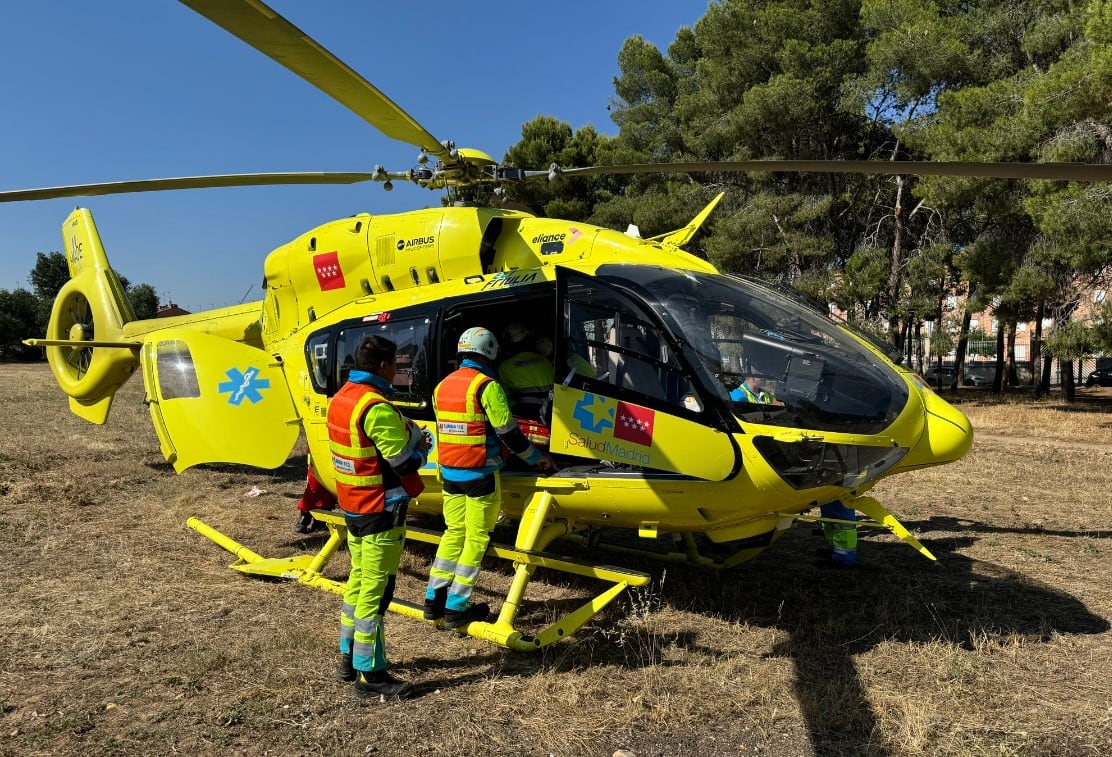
(411, 382)
(317, 352)
(812, 373)
(177, 374)
(330, 357)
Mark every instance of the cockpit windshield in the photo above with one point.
(772, 359)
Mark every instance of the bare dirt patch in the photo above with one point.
(126, 633)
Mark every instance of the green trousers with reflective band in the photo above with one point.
(370, 588)
(842, 537)
(468, 522)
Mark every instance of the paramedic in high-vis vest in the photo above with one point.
(525, 374)
(376, 455)
(472, 420)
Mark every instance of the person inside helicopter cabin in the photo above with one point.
(473, 420)
(376, 456)
(752, 390)
(576, 363)
(526, 374)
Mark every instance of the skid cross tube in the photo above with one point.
(534, 533)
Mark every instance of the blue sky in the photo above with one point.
(135, 89)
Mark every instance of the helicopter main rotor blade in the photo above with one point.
(1051, 171)
(268, 32)
(185, 182)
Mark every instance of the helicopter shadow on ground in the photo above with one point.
(594, 645)
(938, 523)
(831, 615)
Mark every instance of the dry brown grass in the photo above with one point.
(126, 634)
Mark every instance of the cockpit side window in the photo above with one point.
(773, 360)
(610, 339)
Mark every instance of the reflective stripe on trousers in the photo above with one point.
(841, 536)
(370, 588)
(468, 523)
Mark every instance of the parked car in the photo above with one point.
(939, 376)
(979, 374)
(1100, 377)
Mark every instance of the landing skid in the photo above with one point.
(533, 535)
(690, 550)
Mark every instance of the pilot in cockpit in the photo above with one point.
(752, 390)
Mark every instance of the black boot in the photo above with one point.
(381, 683)
(344, 671)
(304, 523)
(434, 608)
(454, 619)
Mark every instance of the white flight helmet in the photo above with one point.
(479, 341)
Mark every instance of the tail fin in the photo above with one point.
(84, 335)
(680, 237)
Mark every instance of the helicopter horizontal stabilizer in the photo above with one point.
(680, 237)
(81, 343)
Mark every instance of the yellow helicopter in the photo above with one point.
(650, 347)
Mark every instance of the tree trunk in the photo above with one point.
(905, 341)
(1068, 389)
(963, 335)
(1036, 352)
(895, 272)
(919, 344)
(963, 344)
(1010, 376)
(998, 379)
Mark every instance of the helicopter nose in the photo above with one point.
(947, 434)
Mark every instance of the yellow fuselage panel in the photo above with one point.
(332, 265)
(213, 399)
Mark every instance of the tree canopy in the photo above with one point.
(989, 80)
(24, 314)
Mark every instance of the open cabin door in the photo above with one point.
(214, 400)
(621, 395)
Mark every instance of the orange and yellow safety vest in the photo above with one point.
(461, 422)
(355, 460)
